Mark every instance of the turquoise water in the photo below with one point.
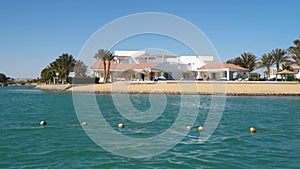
(62, 143)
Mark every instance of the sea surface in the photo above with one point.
(63, 143)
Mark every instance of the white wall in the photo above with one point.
(129, 52)
(194, 61)
(297, 76)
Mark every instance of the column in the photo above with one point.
(227, 75)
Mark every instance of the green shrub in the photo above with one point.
(70, 80)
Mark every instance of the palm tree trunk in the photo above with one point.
(277, 70)
(268, 72)
(104, 69)
(108, 71)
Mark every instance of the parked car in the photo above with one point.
(271, 79)
(191, 79)
(161, 78)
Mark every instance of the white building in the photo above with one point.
(194, 61)
(131, 57)
(179, 67)
(136, 57)
(294, 68)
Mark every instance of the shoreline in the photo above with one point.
(232, 88)
(54, 88)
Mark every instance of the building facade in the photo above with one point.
(139, 65)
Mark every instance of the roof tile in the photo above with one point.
(99, 65)
(221, 66)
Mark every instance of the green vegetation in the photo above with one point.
(294, 52)
(279, 57)
(59, 70)
(246, 60)
(3, 79)
(80, 69)
(106, 57)
(266, 61)
(285, 58)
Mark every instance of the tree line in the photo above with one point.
(58, 71)
(284, 57)
(3, 79)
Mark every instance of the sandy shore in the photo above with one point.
(228, 88)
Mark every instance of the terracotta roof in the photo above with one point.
(99, 65)
(222, 66)
(296, 67)
(286, 72)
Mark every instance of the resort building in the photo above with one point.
(219, 71)
(142, 71)
(132, 57)
(295, 70)
(140, 66)
(273, 72)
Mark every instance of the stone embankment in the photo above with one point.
(54, 88)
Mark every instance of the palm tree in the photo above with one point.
(47, 74)
(64, 65)
(295, 52)
(3, 78)
(279, 56)
(105, 56)
(248, 60)
(80, 69)
(266, 61)
(101, 55)
(109, 58)
(236, 61)
(57, 69)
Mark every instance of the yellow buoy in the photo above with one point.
(200, 128)
(189, 127)
(84, 123)
(43, 123)
(252, 130)
(121, 125)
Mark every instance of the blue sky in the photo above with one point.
(33, 33)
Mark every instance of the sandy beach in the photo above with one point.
(173, 87)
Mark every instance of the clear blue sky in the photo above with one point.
(35, 32)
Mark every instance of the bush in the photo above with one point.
(241, 75)
(254, 76)
(70, 80)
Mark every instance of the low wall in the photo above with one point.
(54, 88)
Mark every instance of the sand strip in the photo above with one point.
(207, 88)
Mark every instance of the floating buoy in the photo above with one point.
(200, 128)
(121, 125)
(84, 123)
(252, 130)
(189, 127)
(43, 123)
